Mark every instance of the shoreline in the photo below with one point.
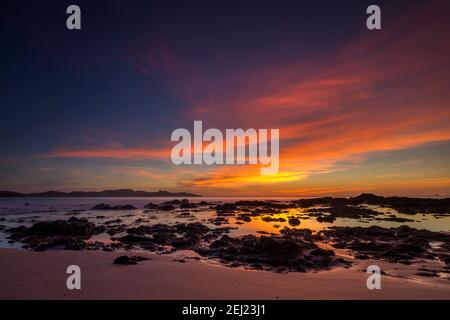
(42, 275)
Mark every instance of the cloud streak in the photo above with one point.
(384, 91)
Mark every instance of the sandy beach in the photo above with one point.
(42, 275)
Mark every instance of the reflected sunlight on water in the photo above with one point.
(26, 211)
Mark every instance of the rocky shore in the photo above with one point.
(292, 249)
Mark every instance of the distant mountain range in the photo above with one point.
(104, 193)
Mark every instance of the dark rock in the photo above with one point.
(427, 274)
(179, 236)
(135, 239)
(188, 205)
(103, 206)
(113, 230)
(302, 233)
(294, 221)
(151, 206)
(166, 207)
(326, 218)
(219, 221)
(270, 253)
(65, 243)
(226, 208)
(401, 244)
(183, 214)
(126, 260)
(71, 227)
(401, 204)
(393, 218)
(18, 229)
(175, 202)
(69, 234)
(244, 217)
(113, 221)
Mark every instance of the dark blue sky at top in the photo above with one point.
(61, 88)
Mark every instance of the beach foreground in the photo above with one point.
(42, 275)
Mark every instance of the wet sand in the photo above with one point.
(42, 275)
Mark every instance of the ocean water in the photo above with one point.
(26, 211)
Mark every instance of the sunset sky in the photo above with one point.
(358, 110)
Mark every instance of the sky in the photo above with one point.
(358, 110)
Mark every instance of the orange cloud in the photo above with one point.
(386, 91)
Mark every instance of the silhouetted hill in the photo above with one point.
(10, 194)
(104, 193)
